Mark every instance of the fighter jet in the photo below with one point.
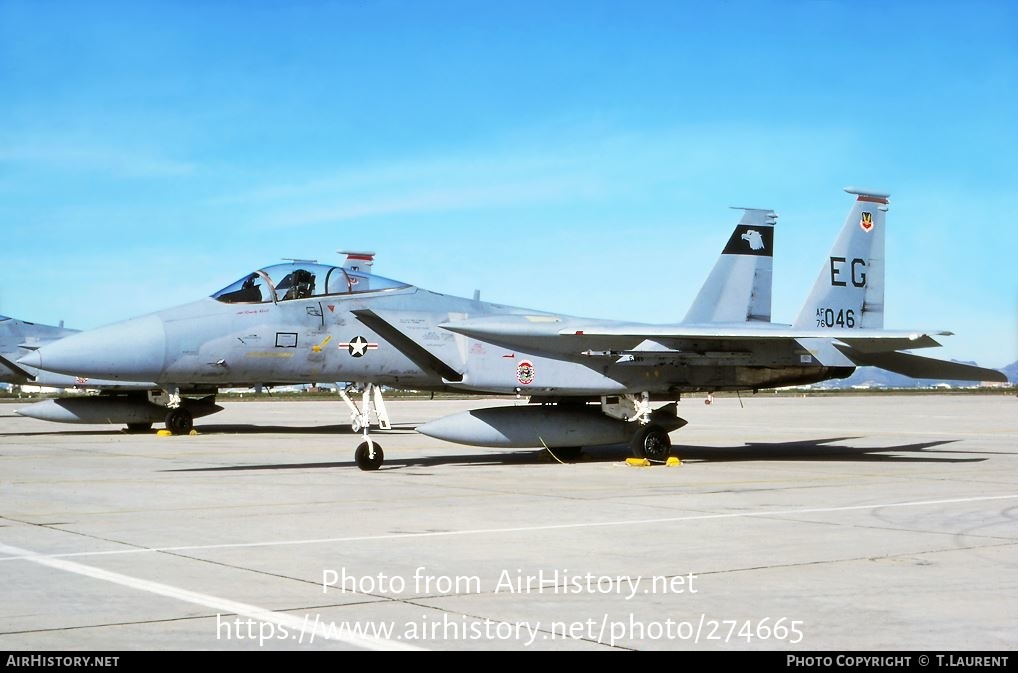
(137, 405)
(132, 403)
(17, 337)
(738, 289)
(589, 381)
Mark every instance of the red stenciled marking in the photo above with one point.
(872, 199)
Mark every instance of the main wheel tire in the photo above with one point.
(365, 461)
(652, 442)
(136, 428)
(179, 421)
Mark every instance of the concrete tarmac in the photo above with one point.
(818, 523)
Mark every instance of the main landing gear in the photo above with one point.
(369, 455)
(179, 420)
(651, 440)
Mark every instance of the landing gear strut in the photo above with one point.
(651, 440)
(369, 456)
(179, 420)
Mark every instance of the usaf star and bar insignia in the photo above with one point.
(358, 346)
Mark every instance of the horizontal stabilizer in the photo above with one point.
(892, 344)
(919, 367)
(407, 346)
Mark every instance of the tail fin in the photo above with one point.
(738, 289)
(849, 292)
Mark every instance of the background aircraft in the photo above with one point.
(132, 403)
(17, 337)
(591, 381)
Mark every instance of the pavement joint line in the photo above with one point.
(510, 530)
(222, 605)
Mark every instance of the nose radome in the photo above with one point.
(31, 360)
(131, 350)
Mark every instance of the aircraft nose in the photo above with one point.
(32, 360)
(130, 351)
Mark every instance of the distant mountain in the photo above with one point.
(874, 377)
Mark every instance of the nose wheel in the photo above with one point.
(369, 456)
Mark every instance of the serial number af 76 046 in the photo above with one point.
(830, 317)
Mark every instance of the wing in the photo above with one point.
(752, 345)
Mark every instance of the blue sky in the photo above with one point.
(568, 156)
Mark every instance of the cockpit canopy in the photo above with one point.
(300, 280)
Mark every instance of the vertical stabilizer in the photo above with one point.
(358, 261)
(738, 288)
(849, 291)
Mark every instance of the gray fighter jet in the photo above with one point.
(120, 401)
(137, 405)
(590, 381)
(738, 289)
(18, 337)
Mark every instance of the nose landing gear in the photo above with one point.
(369, 455)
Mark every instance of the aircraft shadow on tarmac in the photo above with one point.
(829, 449)
(825, 449)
